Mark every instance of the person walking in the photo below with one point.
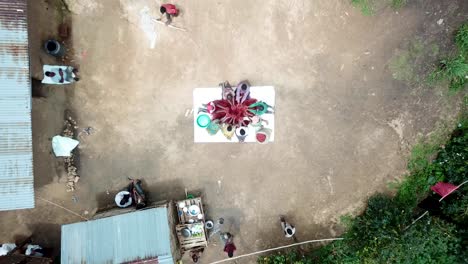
(288, 229)
(229, 246)
(170, 11)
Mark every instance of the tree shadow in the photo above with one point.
(46, 235)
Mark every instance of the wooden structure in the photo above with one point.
(191, 221)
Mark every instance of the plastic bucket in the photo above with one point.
(203, 120)
(263, 135)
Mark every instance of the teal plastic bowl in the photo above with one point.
(203, 120)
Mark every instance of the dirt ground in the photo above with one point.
(345, 121)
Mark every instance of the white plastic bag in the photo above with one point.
(5, 248)
(63, 146)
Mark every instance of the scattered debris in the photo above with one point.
(440, 21)
(72, 174)
(188, 112)
(86, 131)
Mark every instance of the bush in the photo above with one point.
(380, 236)
(455, 70)
(384, 232)
(428, 241)
(453, 158)
(292, 257)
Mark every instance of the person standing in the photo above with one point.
(170, 11)
(288, 229)
(229, 246)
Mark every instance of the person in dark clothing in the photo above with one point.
(125, 199)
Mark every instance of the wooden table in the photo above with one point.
(192, 222)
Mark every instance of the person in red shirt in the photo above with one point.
(229, 246)
(170, 10)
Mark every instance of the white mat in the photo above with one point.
(56, 78)
(206, 95)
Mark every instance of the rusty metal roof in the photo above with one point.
(16, 158)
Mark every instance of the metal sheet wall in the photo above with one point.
(121, 238)
(16, 158)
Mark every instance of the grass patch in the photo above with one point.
(454, 70)
(405, 65)
(368, 7)
(401, 67)
(397, 4)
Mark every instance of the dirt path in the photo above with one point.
(344, 124)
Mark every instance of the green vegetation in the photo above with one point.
(461, 39)
(455, 69)
(396, 4)
(385, 232)
(404, 64)
(368, 7)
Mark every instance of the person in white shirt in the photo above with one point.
(288, 229)
(123, 199)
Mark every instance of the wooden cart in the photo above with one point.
(195, 222)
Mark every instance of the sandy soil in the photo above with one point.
(344, 125)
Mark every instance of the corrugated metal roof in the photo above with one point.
(16, 169)
(122, 238)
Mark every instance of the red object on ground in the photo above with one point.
(233, 113)
(443, 188)
(171, 9)
(261, 137)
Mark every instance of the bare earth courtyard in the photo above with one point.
(343, 124)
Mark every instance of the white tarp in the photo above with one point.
(63, 146)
